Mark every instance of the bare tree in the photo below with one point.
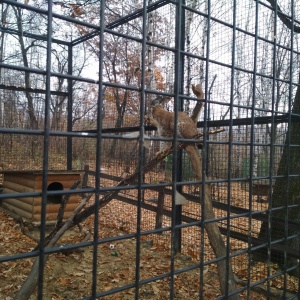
(31, 53)
(285, 197)
(24, 52)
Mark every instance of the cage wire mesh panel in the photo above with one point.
(105, 195)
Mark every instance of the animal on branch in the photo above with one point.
(186, 128)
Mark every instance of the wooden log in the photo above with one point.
(160, 208)
(35, 180)
(28, 200)
(23, 174)
(29, 182)
(73, 199)
(52, 175)
(225, 272)
(65, 183)
(50, 216)
(19, 204)
(17, 211)
(37, 200)
(53, 208)
(17, 187)
(58, 177)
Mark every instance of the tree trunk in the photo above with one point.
(286, 193)
(121, 107)
(30, 105)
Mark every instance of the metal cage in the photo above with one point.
(78, 79)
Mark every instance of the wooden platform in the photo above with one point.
(31, 181)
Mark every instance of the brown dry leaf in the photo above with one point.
(54, 296)
(193, 253)
(155, 289)
(123, 275)
(64, 281)
(79, 274)
(107, 287)
(116, 278)
(243, 273)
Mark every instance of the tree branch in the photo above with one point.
(77, 217)
(31, 281)
(131, 178)
(284, 18)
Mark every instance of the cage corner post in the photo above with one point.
(179, 90)
(70, 107)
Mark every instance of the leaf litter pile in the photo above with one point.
(68, 275)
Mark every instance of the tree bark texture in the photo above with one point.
(286, 193)
(225, 272)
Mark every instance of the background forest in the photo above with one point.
(231, 93)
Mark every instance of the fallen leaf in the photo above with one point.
(80, 274)
(155, 289)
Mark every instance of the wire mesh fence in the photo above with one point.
(102, 197)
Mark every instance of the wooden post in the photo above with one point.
(85, 176)
(160, 207)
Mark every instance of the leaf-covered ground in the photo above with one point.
(69, 275)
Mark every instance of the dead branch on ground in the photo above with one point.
(61, 227)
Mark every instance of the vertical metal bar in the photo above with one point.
(160, 208)
(178, 89)
(252, 142)
(179, 106)
(70, 108)
(272, 141)
(230, 143)
(204, 155)
(207, 137)
(42, 246)
(98, 150)
(141, 152)
(288, 160)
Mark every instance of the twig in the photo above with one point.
(63, 204)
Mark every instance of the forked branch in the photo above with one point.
(132, 178)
